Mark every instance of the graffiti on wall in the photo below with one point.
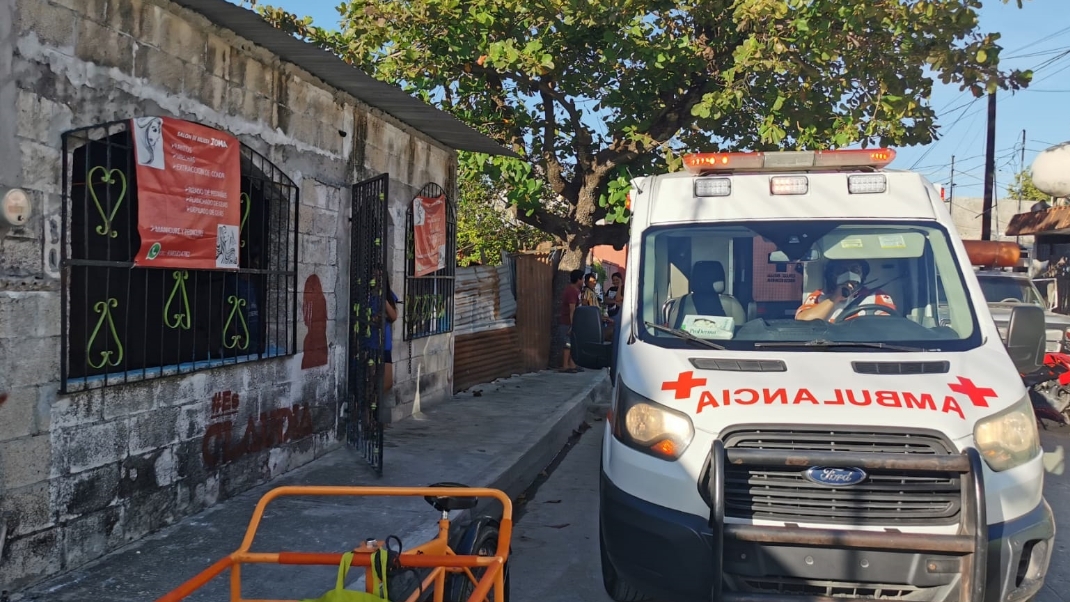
(314, 311)
(226, 439)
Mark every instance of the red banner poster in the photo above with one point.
(188, 190)
(429, 233)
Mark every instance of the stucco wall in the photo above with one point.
(83, 473)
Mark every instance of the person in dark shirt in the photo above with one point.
(570, 300)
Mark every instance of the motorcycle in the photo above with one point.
(1049, 389)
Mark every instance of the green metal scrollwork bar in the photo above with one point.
(247, 202)
(104, 309)
(108, 177)
(235, 304)
(182, 318)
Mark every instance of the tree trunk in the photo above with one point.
(574, 258)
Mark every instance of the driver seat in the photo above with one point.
(707, 296)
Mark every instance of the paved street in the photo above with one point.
(555, 557)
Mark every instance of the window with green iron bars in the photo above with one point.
(123, 323)
(428, 306)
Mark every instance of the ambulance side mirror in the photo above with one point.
(588, 348)
(1025, 337)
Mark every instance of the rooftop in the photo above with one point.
(392, 100)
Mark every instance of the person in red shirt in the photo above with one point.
(570, 300)
(844, 280)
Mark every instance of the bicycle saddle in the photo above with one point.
(449, 503)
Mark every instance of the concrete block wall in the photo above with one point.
(84, 473)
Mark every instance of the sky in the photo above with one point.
(1036, 34)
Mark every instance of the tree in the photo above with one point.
(592, 92)
(486, 226)
(1023, 188)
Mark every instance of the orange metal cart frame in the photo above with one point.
(435, 554)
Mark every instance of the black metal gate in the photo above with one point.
(364, 428)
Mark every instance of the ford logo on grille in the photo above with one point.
(835, 477)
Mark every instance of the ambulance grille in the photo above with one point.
(885, 497)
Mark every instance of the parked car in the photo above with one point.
(1005, 289)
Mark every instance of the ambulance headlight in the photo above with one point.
(1009, 438)
(650, 427)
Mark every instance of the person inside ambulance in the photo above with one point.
(844, 282)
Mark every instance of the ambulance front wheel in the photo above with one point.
(616, 587)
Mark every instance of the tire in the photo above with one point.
(616, 587)
(458, 586)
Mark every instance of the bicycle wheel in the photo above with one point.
(485, 543)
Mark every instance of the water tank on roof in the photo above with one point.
(1051, 171)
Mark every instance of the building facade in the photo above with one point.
(133, 395)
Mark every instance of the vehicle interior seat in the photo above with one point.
(707, 296)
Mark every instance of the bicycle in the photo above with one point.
(484, 544)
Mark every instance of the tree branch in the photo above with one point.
(582, 139)
(554, 169)
(548, 222)
(663, 127)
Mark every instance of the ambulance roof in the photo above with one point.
(677, 198)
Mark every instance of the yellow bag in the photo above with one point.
(341, 594)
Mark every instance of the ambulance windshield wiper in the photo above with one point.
(685, 335)
(827, 344)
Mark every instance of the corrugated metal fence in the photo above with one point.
(486, 347)
(503, 319)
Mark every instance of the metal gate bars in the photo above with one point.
(364, 427)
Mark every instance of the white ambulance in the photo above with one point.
(812, 400)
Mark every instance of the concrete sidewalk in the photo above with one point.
(501, 438)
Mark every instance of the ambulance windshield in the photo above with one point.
(820, 283)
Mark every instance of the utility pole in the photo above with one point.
(951, 187)
(990, 171)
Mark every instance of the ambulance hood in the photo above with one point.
(947, 392)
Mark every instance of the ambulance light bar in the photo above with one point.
(698, 163)
(992, 253)
(709, 187)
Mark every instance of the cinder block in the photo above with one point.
(49, 320)
(25, 461)
(191, 422)
(86, 492)
(33, 117)
(105, 47)
(92, 536)
(17, 413)
(95, 445)
(218, 56)
(139, 474)
(27, 559)
(133, 398)
(145, 514)
(77, 409)
(40, 172)
(123, 16)
(27, 509)
(53, 25)
(213, 92)
(91, 9)
(153, 430)
(161, 68)
(21, 257)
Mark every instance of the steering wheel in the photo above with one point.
(863, 307)
(1011, 300)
